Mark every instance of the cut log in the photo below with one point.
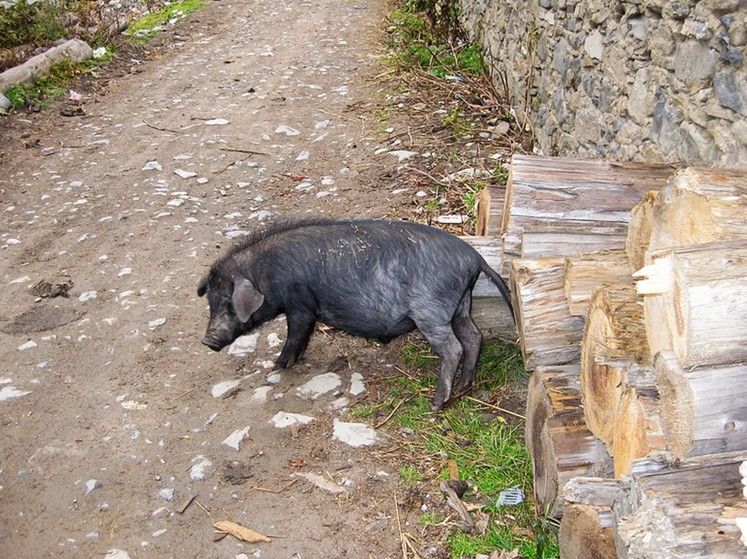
(74, 49)
(613, 347)
(695, 302)
(590, 199)
(682, 512)
(698, 206)
(639, 231)
(586, 528)
(490, 203)
(548, 334)
(489, 311)
(571, 239)
(638, 431)
(586, 533)
(556, 435)
(584, 273)
(703, 410)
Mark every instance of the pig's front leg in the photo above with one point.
(300, 327)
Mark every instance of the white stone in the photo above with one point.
(244, 345)
(275, 377)
(593, 45)
(117, 554)
(167, 493)
(353, 434)
(92, 484)
(23, 279)
(217, 122)
(27, 345)
(184, 174)
(124, 272)
(160, 532)
(134, 405)
(153, 324)
(261, 393)
(201, 467)
(403, 154)
(287, 130)
(321, 482)
(175, 203)
(87, 296)
(234, 439)
(152, 166)
(303, 156)
(339, 404)
(225, 388)
(453, 219)
(273, 339)
(320, 384)
(8, 392)
(286, 419)
(356, 384)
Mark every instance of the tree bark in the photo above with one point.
(683, 512)
(639, 231)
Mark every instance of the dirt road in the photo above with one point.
(111, 410)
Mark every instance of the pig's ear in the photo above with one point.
(202, 288)
(246, 299)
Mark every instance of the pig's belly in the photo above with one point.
(369, 325)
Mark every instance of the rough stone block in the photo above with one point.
(694, 61)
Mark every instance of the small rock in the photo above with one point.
(152, 166)
(234, 439)
(303, 156)
(153, 324)
(5, 103)
(403, 154)
(356, 384)
(353, 434)
(124, 272)
(287, 130)
(99, 52)
(160, 532)
(87, 296)
(116, 554)
(244, 345)
(92, 484)
(167, 493)
(286, 419)
(8, 392)
(273, 340)
(184, 174)
(593, 45)
(217, 122)
(27, 345)
(202, 466)
(225, 388)
(320, 384)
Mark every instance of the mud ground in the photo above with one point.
(112, 414)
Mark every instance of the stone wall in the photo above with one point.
(656, 80)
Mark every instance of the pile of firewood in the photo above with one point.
(629, 284)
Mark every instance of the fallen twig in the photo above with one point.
(275, 491)
(497, 408)
(149, 125)
(388, 417)
(249, 151)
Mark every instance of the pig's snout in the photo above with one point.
(212, 343)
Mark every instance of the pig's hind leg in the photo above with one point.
(470, 337)
(441, 338)
(300, 328)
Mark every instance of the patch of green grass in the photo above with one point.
(500, 174)
(455, 121)
(54, 83)
(145, 28)
(430, 518)
(362, 411)
(416, 43)
(469, 198)
(489, 452)
(35, 24)
(409, 474)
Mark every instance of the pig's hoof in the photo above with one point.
(281, 363)
(437, 407)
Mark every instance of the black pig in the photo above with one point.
(378, 279)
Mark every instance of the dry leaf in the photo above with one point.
(240, 532)
(513, 554)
